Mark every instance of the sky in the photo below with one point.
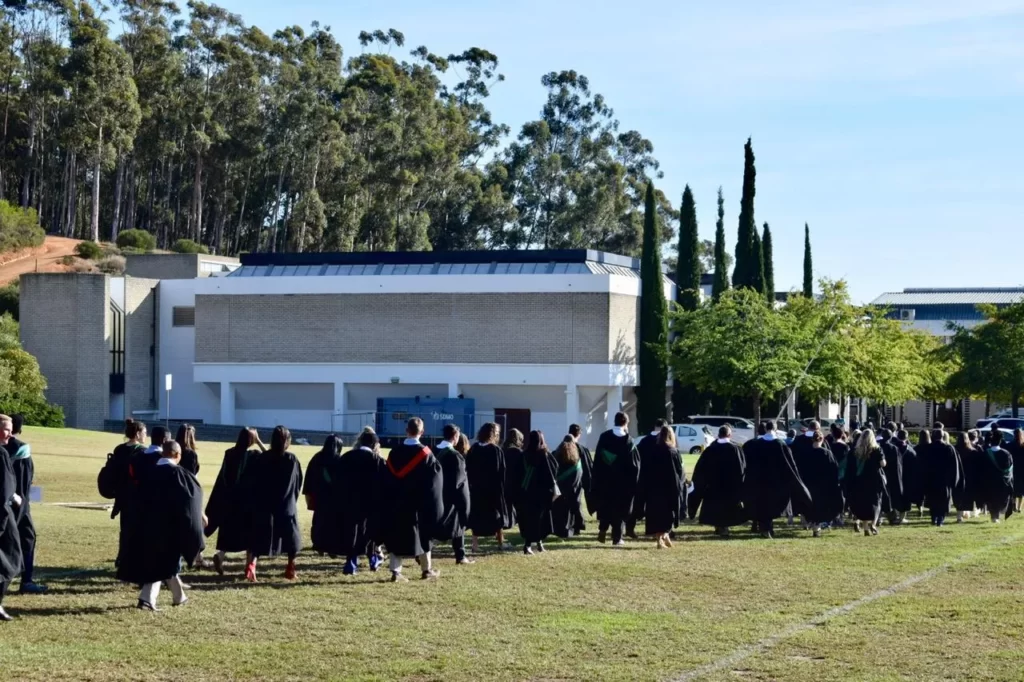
(891, 127)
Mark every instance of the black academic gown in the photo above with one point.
(662, 477)
(347, 498)
(10, 542)
(457, 500)
(1017, 453)
(24, 473)
(189, 461)
(995, 481)
(615, 476)
(271, 485)
(228, 509)
(841, 451)
(644, 446)
(538, 495)
(513, 484)
(587, 462)
(718, 486)
(940, 466)
(319, 499)
(412, 500)
(966, 493)
(896, 497)
(485, 471)
(819, 472)
(567, 511)
(772, 480)
(116, 482)
(913, 483)
(168, 527)
(867, 486)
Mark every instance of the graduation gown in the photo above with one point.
(168, 527)
(567, 511)
(913, 483)
(1017, 453)
(24, 473)
(819, 472)
(615, 476)
(538, 495)
(485, 471)
(896, 497)
(940, 466)
(228, 509)
(662, 478)
(513, 484)
(841, 451)
(867, 486)
(587, 462)
(190, 461)
(412, 500)
(967, 493)
(272, 484)
(10, 542)
(644, 446)
(315, 488)
(995, 481)
(718, 486)
(137, 462)
(457, 501)
(772, 480)
(347, 497)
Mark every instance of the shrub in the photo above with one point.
(110, 249)
(137, 239)
(111, 265)
(37, 412)
(19, 228)
(89, 250)
(9, 300)
(131, 250)
(82, 266)
(67, 260)
(188, 246)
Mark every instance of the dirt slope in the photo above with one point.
(40, 259)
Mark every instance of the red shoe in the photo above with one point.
(250, 572)
(289, 571)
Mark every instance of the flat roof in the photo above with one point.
(442, 257)
(947, 296)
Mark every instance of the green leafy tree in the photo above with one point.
(653, 323)
(721, 282)
(743, 274)
(808, 265)
(988, 358)
(769, 264)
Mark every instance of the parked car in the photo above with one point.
(693, 438)
(742, 429)
(1006, 423)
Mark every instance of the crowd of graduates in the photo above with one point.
(402, 506)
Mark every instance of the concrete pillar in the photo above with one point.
(340, 420)
(572, 406)
(227, 403)
(453, 390)
(615, 399)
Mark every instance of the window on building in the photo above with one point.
(182, 316)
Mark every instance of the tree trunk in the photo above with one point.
(277, 208)
(95, 223)
(115, 224)
(130, 214)
(26, 181)
(241, 211)
(197, 201)
(150, 198)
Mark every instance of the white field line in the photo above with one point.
(769, 642)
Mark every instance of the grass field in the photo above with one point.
(761, 609)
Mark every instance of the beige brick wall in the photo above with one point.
(65, 324)
(544, 328)
(139, 348)
(624, 329)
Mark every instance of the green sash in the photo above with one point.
(24, 452)
(609, 457)
(860, 465)
(992, 458)
(571, 471)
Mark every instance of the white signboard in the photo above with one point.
(167, 382)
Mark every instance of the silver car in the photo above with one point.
(692, 438)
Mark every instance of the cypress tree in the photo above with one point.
(743, 274)
(721, 282)
(808, 266)
(769, 266)
(757, 263)
(688, 262)
(653, 360)
(684, 397)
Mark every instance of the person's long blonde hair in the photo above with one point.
(866, 445)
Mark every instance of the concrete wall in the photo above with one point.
(140, 298)
(523, 328)
(176, 353)
(171, 265)
(65, 324)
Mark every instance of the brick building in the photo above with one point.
(538, 339)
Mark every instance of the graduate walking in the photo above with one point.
(771, 480)
(965, 494)
(615, 476)
(839, 444)
(490, 513)
(718, 480)
(272, 484)
(167, 529)
(819, 472)
(567, 511)
(10, 540)
(186, 438)
(319, 497)
(1016, 450)
(539, 492)
(412, 507)
(587, 464)
(645, 445)
(895, 502)
(663, 479)
(118, 479)
(227, 510)
(867, 483)
(941, 469)
(451, 453)
(24, 473)
(996, 479)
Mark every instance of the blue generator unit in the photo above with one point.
(393, 413)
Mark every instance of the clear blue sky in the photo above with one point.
(892, 127)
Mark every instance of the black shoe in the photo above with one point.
(146, 606)
(4, 616)
(671, 535)
(397, 577)
(540, 546)
(465, 561)
(32, 588)
(432, 574)
(602, 536)
(527, 550)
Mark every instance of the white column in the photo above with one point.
(227, 403)
(615, 400)
(453, 390)
(572, 406)
(339, 422)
